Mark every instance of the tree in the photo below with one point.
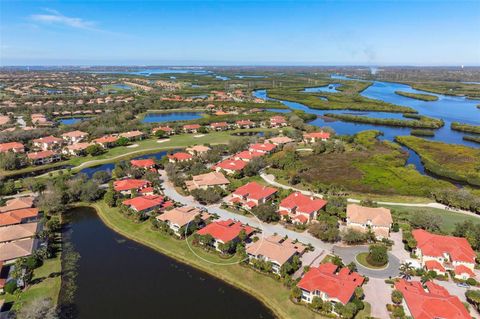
(352, 266)
(326, 229)
(397, 297)
(377, 255)
(207, 196)
(10, 161)
(95, 150)
(317, 303)
(102, 176)
(51, 201)
(406, 270)
(426, 220)
(254, 166)
(359, 293)
(266, 213)
(122, 141)
(160, 134)
(296, 293)
(110, 198)
(10, 287)
(353, 237)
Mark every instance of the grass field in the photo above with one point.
(418, 96)
(271, 292)
(448, 88)
(457, 162)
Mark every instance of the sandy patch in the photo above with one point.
(199, 135)
(163, 141)
(132, 146)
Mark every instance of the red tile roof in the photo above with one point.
(180, 156)
(191, 126)
(106, 139)
(303, 203)
(4, 147)
(434, 265)
(317, 135)
(143, 163)
(278, 119)
(225, 230)
(129, 184)
(265, 147)
(47, 139)
(255, 191)
(40, 155)
(219, 124)
(16, 216)
(339, 285)
(145, 202)
(244, 122)
(163, 128)
(230, 164)
(436, 245)
(434, 303)
(74, 134)
(247, 155)
(461, 269)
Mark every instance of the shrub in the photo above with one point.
(10, 287)
(471, 282)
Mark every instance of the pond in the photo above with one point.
(331, 88)
(170, 117)
(119, 278)
(71, 120)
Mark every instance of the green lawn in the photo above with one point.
(270, 291)
(365, 313)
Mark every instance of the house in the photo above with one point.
(74, 136)
(181, 216)
(433, 265)
(43, 157)
(48, 142)
(76, 149)
(125, 186)
(219, 126)
(225, 231)
(265, 148)
(17, 203)
(453, 253)
(300, 208)
(247, 156)
(278, 121)
(179, 157)
(19, 216)
(18, 232)
(329, 285)
(168, 130)
(11, 251)
(15, 147)
(280, 140)
(205, 181)
(276, 250)
(198, 149)
(376, 219)
(430, 302)
(146, 164)
(230, 166)
(245, 124)
(251, 194)
(315, 137)
(191, 128)
(147, 203)
(106, 141)
(132, 135)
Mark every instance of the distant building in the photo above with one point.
(74, 136)
(147, 203)
(205, 181)
(48, 142)
(251, 195)
(15, 147)
(377, 219)
(225, 231)
(179, 157)
(301, 209)
(314, 137)
(43, 157)
(230, 166)
(181, 216)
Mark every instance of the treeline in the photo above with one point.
(458, 198)
(421, 122)
(462, 127)
(420, 132)
(471, 138)
(418, 96)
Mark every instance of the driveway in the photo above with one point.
(453, 289)
(348, 255)
(398, 248)
(378, 295)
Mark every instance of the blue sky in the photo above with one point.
(245, 33)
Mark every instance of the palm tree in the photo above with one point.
(406, 270)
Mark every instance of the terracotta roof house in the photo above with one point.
(245, 124)
(329, 285)
(449, 251)
(225, 231)
(280, 140)
(230, 166)
(15, 147)
(301, 208)
(315, 137)
(433, 265)
(198, 149)
(278, 121)
(125, 186)
(106, 141)
(168, 130)
(191, 128)
(179, 157)
(11, 251)
(47, 143)
(132, 135)
(17, 203)
(251, 194)
(74, 136)
(247, 156)
(432, 302)
(77, 149)
(18, 232)
(275, 249)
(219, 126)
(264, 148)
(378, 219)
(19, 216)
(205, 181)
(181, 216)
(43, 157)
(147, 163)
(147, 203)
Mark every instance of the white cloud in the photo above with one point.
(55, 17)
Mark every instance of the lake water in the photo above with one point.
(121, 279)
(331, 88)
(170, 117)
(71, 120)
(148, 72)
